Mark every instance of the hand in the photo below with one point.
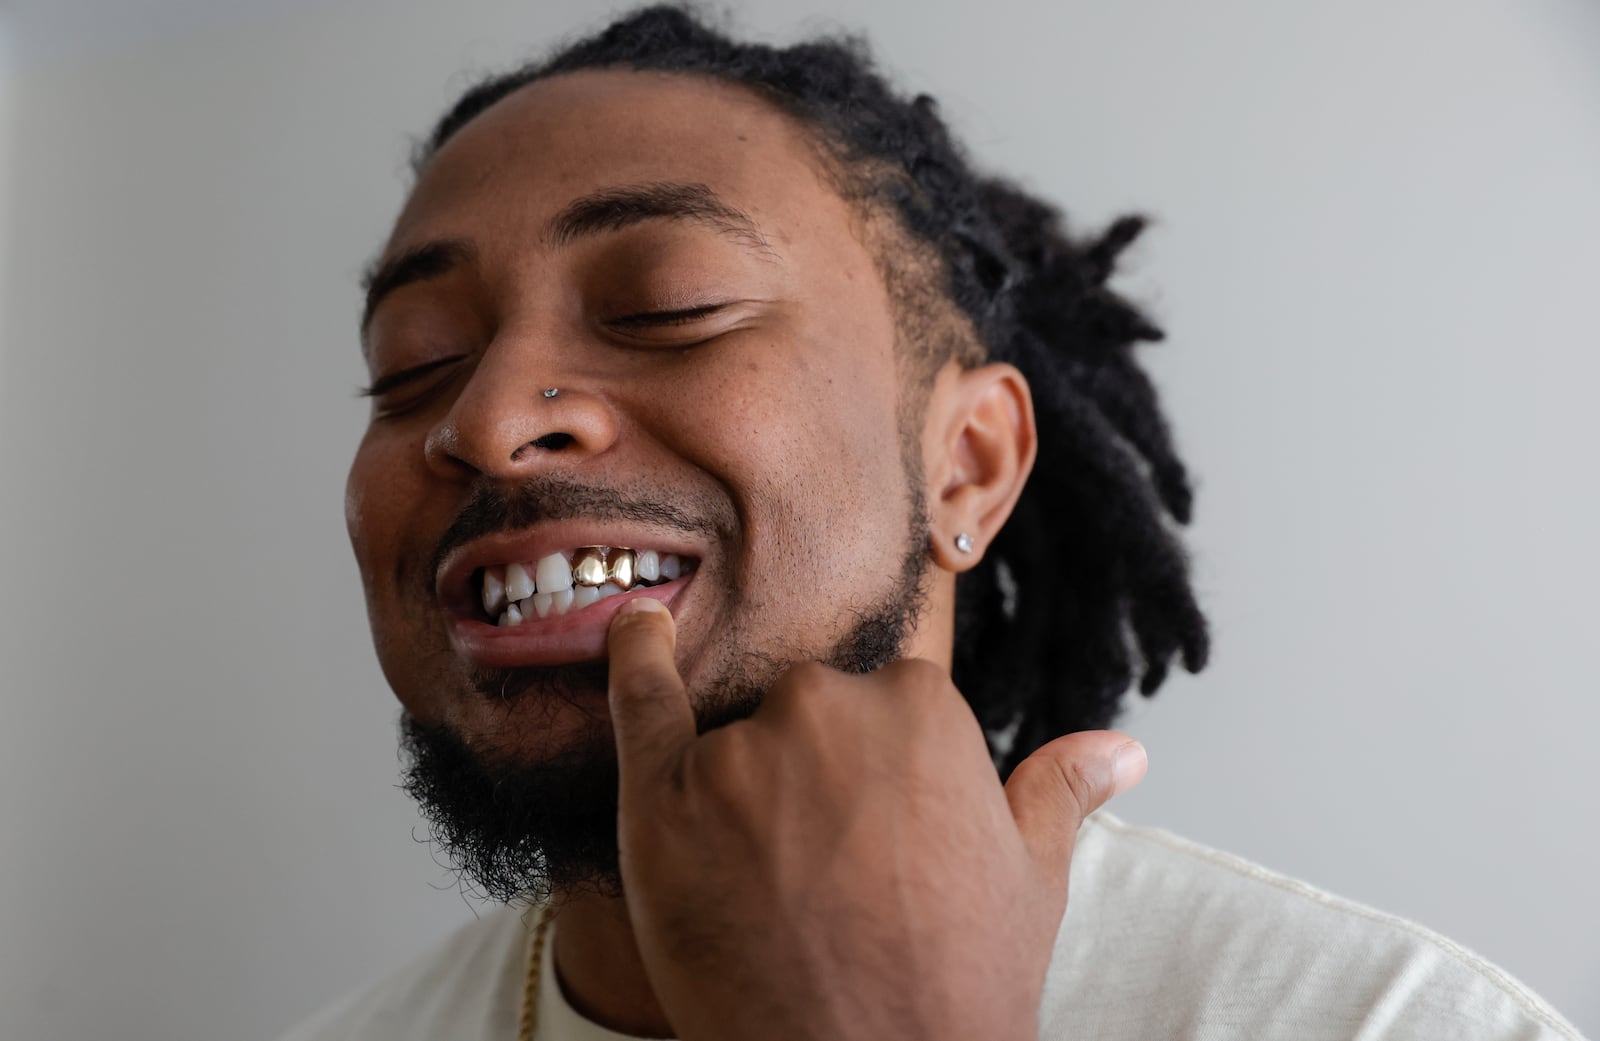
(843, 864)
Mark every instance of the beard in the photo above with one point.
(516, 830)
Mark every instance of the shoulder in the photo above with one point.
(467, 987)
(1166, 937)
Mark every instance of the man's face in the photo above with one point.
(750, 428)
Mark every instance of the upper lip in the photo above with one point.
(453, 583)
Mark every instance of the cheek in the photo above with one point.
(792, 426)
(355, 503)
(379, 492)
(807, 443)
(382, 496)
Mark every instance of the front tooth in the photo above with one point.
(562, 602)
(671, 567)
(609, 589)
(518, 585)
(554, 574)
(511, 616)
(589, 566)
(494, 592)
(620, 568)
(542, 602)
(649, 565)
(583, 596)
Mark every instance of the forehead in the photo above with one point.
(528, 155)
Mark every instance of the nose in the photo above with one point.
(515, 419)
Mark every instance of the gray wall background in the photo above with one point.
(1377, 251)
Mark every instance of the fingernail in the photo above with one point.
(1128, 765)
(640, 603)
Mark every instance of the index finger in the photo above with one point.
(650, 710)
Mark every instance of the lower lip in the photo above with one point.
(578, 636)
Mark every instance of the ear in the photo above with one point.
(978, 449)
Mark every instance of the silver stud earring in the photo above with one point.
(551, 392)
(964, 542)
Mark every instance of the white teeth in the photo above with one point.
(554, 573)
(494, 592)
(513, 596)
(519, 586)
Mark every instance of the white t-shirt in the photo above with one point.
(1162, 939)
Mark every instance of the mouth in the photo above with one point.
(516, 603)
(570, 580)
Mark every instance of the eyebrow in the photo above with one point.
(607, 210)
(613, 209)
(418, 264)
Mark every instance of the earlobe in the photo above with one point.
(987, 443)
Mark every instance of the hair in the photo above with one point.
(1086, 588)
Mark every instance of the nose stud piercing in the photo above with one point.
(551, 392)
(964, 542)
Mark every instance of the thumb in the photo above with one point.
(650, 710)
(1056, 787)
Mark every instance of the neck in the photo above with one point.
(598, 966)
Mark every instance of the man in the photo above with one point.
(705, 547)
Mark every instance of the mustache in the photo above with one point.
(492, 509)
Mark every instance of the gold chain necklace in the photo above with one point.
(530, 987)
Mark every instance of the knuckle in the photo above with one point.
(917, 679)
(645, 685)
(808, 674)
(1067, 780)
(801, 685)
(1082, 784)
(922, 671)
(641, 682)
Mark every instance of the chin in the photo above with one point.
(531, 715)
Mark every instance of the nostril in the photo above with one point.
(552, 442)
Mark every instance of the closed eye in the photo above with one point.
(394, 380)
(685, 316)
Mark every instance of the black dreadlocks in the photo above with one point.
(1086, 585)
